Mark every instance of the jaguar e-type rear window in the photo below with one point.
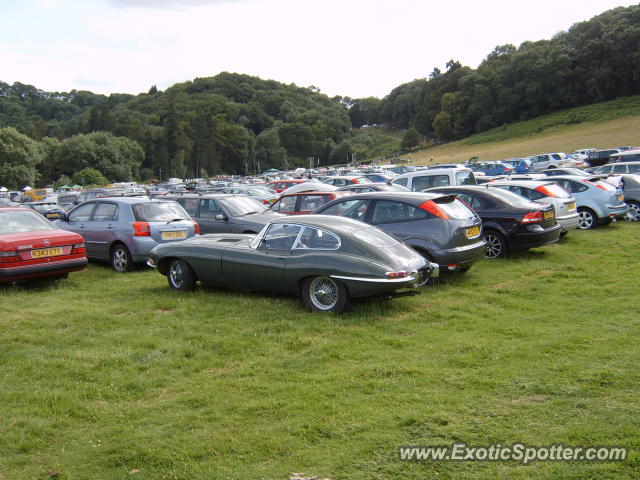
(375, 237)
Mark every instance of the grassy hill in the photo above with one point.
(602, 125)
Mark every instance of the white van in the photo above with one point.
(439, 177)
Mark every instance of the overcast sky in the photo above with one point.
(354, 48)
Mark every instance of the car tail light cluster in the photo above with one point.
(78, 248)
(9, 257)
(433, 208)
(141, 229)
(532, 217)
(544, 191)
(400, 274)
(196, 227)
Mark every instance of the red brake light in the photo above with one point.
(354, 180)
(9, 257)
(400, 274)
(141, 229)
(433, 208)
(544, 191)
(532, 217)
(196, 227)
(78, 248)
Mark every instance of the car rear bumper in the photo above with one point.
(617, 211)
(460, 257)
(568, 222)
(25, 272)
(526, 240)
(376, 286)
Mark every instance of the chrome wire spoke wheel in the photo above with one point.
(176, 274)
(585, 220)
(494, 246)
(634, 212)
(323, 293)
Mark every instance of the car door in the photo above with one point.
(101, 229)
(211, 217)
(261, 267)
(286, 205)
(78, 221)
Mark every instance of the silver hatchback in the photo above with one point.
(124, 230)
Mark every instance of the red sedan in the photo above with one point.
(32, 247)
(281, 185)
(303, 203)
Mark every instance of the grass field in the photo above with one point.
(107, 376)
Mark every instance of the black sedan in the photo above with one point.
(49, 210)
(510, 222)
(439, 227)
(326, 260)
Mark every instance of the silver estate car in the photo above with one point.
(123, 230)
(545, 192)
(598, 202)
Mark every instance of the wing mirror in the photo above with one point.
(220, 217)
(62, 217)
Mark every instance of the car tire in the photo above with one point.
(180, 276)
(587, 219)
(496, 245)
(325, 294)
(121, 260)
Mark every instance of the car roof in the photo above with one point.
(578, 178)
(434, 171)
(415, 197)
(328, 222)
(523, 183)
(313, 192)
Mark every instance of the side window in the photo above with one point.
(634, 168)
(82, 213)
(310, 203)
(619, 169)
(440, 181)
(575, 187)
(532, 194)
(420, 183)
(388, 212)
(281, 236)
(190, 205)
(401, 181)
(105, 212)
(470, 200)
(316, 239)
(209, 208)
(355, 209)
(288, 204)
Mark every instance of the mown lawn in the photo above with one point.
(107, 376)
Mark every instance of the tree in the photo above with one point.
(89, 176)
(19, 159)
(410, 139)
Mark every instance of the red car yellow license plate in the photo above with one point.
(174, 235)
(46, 252)
(472, 232)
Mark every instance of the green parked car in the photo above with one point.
(326, 260)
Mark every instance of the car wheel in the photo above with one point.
(121, 260)
(181, 276)
(587, 220)
(634, 210)
(324, 294)
(496, 245)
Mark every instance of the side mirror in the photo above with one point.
(220, 217)
(62, 217)
(75, 202)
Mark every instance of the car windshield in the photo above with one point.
(375, 237)
(455, 209)
(260, 191)
(14, 221)
(241, 206)
(159, 212)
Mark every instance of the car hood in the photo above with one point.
(258, 218)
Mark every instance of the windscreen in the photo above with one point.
(15, 221)
(512, 198)
(159, 212)
(241, 206)
(465, 178)
(455, 209)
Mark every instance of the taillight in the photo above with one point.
(265, 202)
(544, 191)
(196, 227)
(400, 274)
(353, 180)
(532, 217)
(9, 257)
(433, 208)
(141, 229)
(78, 248)
(594, 185)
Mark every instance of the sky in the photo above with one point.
(354, 48)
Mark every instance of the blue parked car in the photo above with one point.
(492, 168)
(521, 165)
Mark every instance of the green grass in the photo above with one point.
(102, 373)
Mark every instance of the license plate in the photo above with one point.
(46, 252)
(472, 232)
(548, 214)
(174, 235)
(571, 206)
(620, 197)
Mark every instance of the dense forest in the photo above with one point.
(234, 123)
